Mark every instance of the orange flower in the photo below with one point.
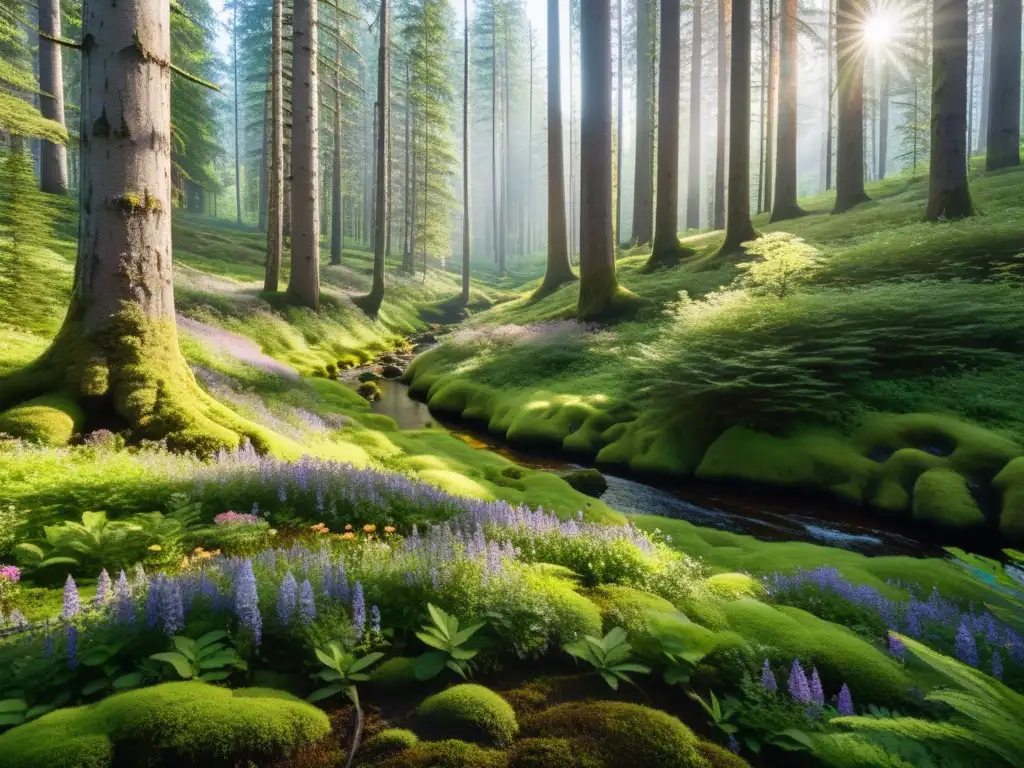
(348, 527)
(348, 535)
(389, 529)
(369, 528)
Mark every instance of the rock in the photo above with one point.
(392, 359)
(369, 376)
(587, 481)
(369, 391)
(391, 372)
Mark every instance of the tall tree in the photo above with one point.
(786, 206)
(371, 303)
(738, 228)
(948, 194)
(986, 78)
(850, 144)
(1003, 149)
(118, 346)
(304, 281)
(884, 96)
(618, 126)
(466, 262)
(559, 270)
(830, 23)
(53, 164)
(773, 84)
(724, 9)
(598, 286)
(495, 215)
(275, 209)
(643, 173)
(666, 250)
(238, 128)
(693, 165)
(337, 187)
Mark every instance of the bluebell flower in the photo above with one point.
(817, 694)
(966, 649)
(172, 609)
(17, 619)
(307, 604)
(124, 605)
(897, 649)
(768, 678)
(72, 606)
(287, 598)
(374, 620)
(48, 646)
(845, 704)
(140, 581)
(733, 745)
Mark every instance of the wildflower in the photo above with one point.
(389, 529)
(997, 662)
(307, 604)
(348, 536)
(235, 518)
(358, 611)
(155, 548)
(768, 678)
(733, 745)
(124, 606)
(17, 619)
(896, 647)
(319, 528)
(798, 686)
(374, 620)
(48, 647)
(287, 596)
(72, 646)
(247, 606)
(369, 528)
(817, 694)
(153, 604)
(102, 588)
(10, 573)
(348, 527)
(139, 580)
(172, 608)
(845, 704)
(966, 649)
(72, 605)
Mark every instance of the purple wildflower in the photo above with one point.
(139, 581)
(48, 647)
(845, 705)
(768, 678)
(817, 694)
(966, 649)
(124, 606)
(247, 605)
(358, 611)
(72, 605)
(10, 573)
(798, 686)
(17, 619)
(897, 649)
(733, 745)
(172, 609)
(102, 588)
(72, 646)
(307, 604)
(153, 604)
(287, 598)
(374, 620)
(997, 665)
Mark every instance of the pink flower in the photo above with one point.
(234, 518)
(10, 573)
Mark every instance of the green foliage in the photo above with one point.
(611, 656)
(588, 481)
(50, 420)
(785, 263)
(454, 650)
(449, 753)
(386, 743)
(206, 659)
(342, 671)
(470, 713)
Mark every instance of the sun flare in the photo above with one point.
(880, 29)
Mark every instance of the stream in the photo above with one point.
(768, 515)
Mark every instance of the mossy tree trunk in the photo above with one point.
(738, 228)
(693, 175)
(949, 197)
(666, 250)
(117, 351)
(275, 209)
(559, 270)
(1003, 150)
(372, 301)
(723, 106)
(304, 282)
(786, 206)
(53, 166)
(643, 174)
(850, 130)
(598, 286)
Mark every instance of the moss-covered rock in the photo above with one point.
(550, 753)
(620, 734)
(449, 753)
(627, 607)
(185, 723)
(587, 481)
(48, 420)
(719, 757)
(942, 497)
(1010, 484)
(467, 712)
(386, 743)
(732, 586)
(369, 390)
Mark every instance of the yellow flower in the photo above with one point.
(156, 548)
(184, 562)
(389, 529)
(368, 528)
(199, 550)
(348, 535)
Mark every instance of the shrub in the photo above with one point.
(786, 262)
(388, 742)
(174, 723)
(588, 481)
(444, 754)
(468, 712)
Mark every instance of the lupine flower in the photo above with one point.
(72, 646)
(768, 678)
(247, 606)
(102, 588)
(172, 609)
(798, 686)
(966, 649)
(374, 620)
(358, 611)
(845, 704)
(897, 649)
(153, 604)
(124, 605)
(307, 604)
(140, 581)
(287, 598)
(997, 665)
(72, 605)
(817, 694)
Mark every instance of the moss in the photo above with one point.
(620, 734)
(396, 672)
(176, 723)
(49, 420)
(468, 712)
(369, 390)
(627, 607)
(550, 753)
(386, 743)
(1010, 484)
(719, 757)
(942, 497)
(732, 586)
(587, 481)
(894, 486)
(449, 753)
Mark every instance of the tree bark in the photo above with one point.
(1003, 149)
(972, 60)
(666, 250)
(830, 86)
(337, 189)
(738, 228)
(598, 286)
(723, 84)
(53, 170)
(786, 206)
(466, 262)
(503, 217)
(618, 128)
(275, 208)
(850, 149)
(773, 84)
(696, 66)
(494, 134)
(408, 206)
(948, 194)
(558, 270)
(304, 282)
(238, 161)
(372, 301)
(883, 122)
(986, 79)
(264, 181)
(643, 173)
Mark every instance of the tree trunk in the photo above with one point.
(371, 302)
(304, 283)
(466, 262)
(643, 173)
(666, 250)
(262, 220)
(830, 86)
(883, 123)
(773, 83)
(972, 59)
(503, 217)
(948, 194)
(414, 206)
(786, 206)
(238, 161)
(738, 228)
(117, 351)
(598, 286)
(408, 206)
(986, 79)
(618, 129)
(275, 209)
(850, 150)
(723, 82)
(494, 134)
(53, 170)
(337, 223)
(1003, 149)
(764, 105)
(559, 270)
(693, 166)
(527, 241)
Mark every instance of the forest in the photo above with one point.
(511, 384)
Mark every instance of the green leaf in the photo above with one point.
(57, 561)
(639, 668)
(222, 659)
(457, 668)
(186, 647)
(440, 619)
(211, 637)
(30, 549)
(327, 661)
(367, 660)
(12, 719)
(39, 710)
(180, 663)
(429, 665)
(432, 641)
(615, 637)
(609, 678)
(463, 635)
(325, 693)
(676, 676)
(95, 686)
(463, 654)
(130, 680)
(94, 657)
(13, 705)
(353, 695)
(212, 677)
